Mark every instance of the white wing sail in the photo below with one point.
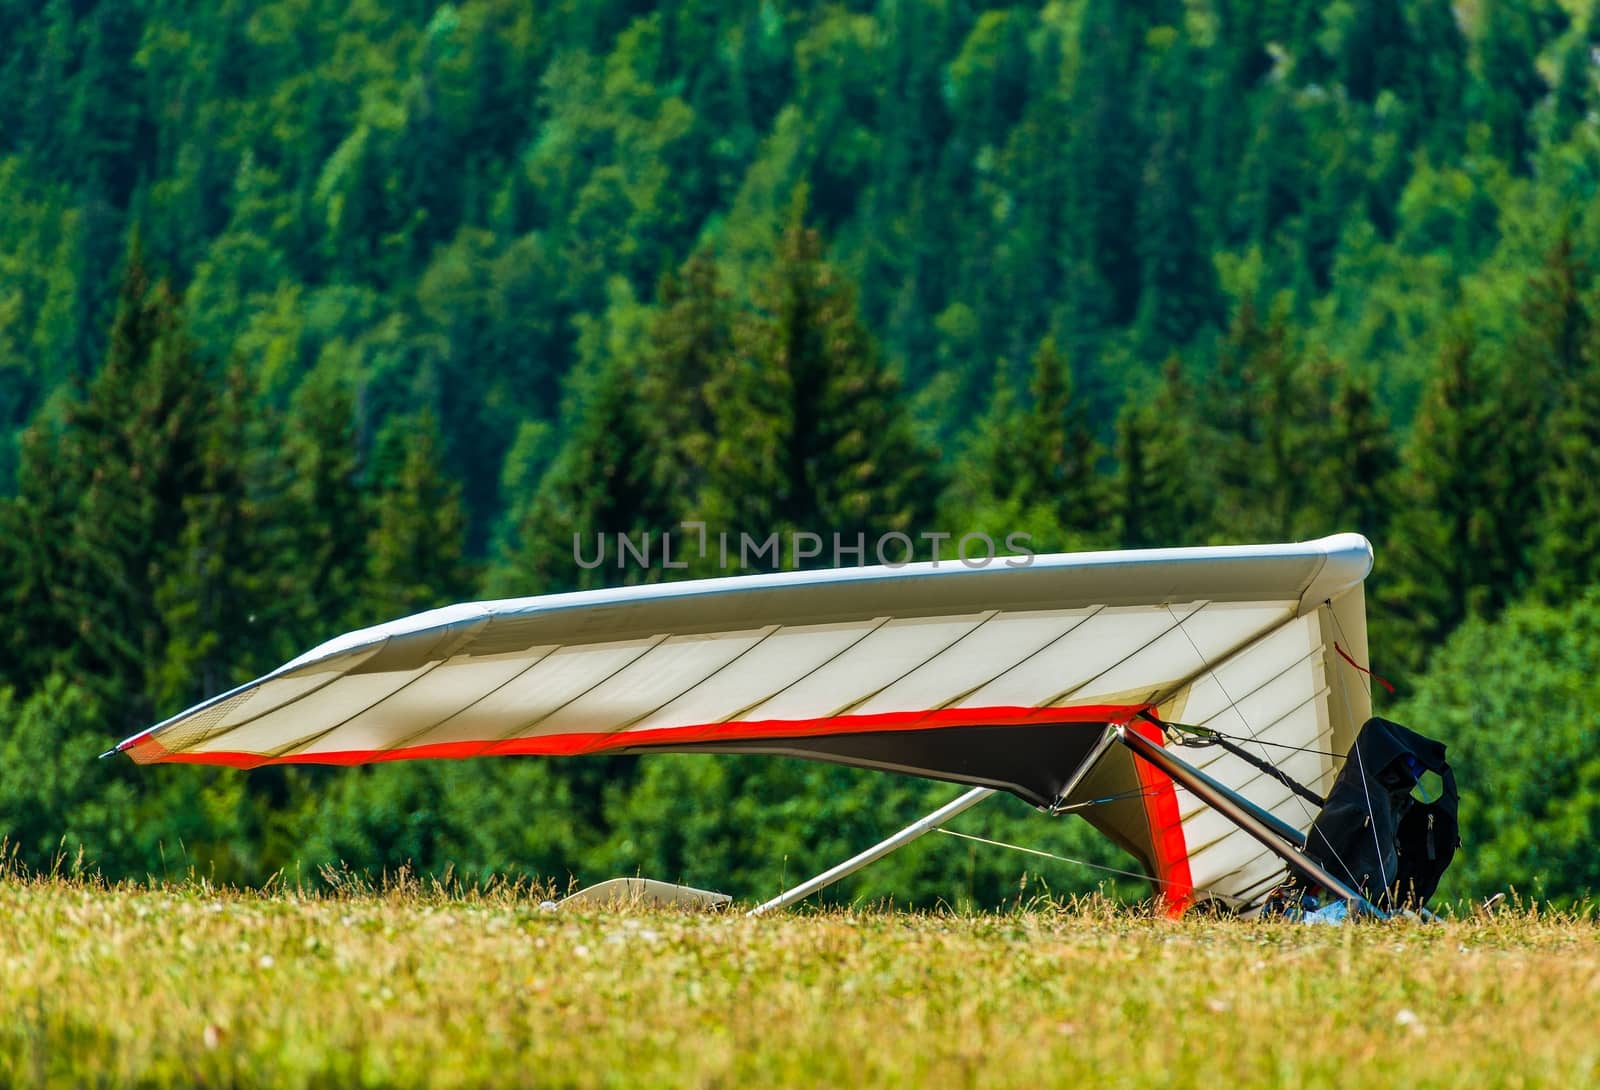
(1004, 676)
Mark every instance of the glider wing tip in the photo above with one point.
(1347, 561)
(642, 892)
(124, 745)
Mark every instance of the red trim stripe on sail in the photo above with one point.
(147, 749)
(1168, 846)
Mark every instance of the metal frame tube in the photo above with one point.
(877, 851)
(1243, 813)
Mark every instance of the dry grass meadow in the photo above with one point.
(187, 985)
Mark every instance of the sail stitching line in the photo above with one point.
(1233, 705)
(740, 713)
(1253, 737)
(988, 616)
(766, 634)
(1078, 687)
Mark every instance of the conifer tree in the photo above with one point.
(811, 432)
(1106, 153)
(1025, 237)
(1457, 548)
(1510, 81)
(417, 537)
(987, 465)
(1179, 283)
(598, 486)
(1254, 437)
(1163, 492)
(113, 137)
(322, 501)
(1358, 463)
(1439, 74)
(1057, 454)
(101, 499)
(1375, 50)
(691, 336)
(218, 601)
(1034, 466)
(1553, 331)
(1575, 85)
(1295, 447)
(1538, 374)
(1566, 556)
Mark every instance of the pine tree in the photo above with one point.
(36, 526)
(1293, 447)
(1512, 37)
(1033, 466)
(598, 486)
(1539, 374)
(416, 544)
(1358, 464)
(1179, 283)
(691, 336)
(1439, 75)
(327, 520)
(1575, 86)
(1276, 177)
(1057, 454)
(113, 134)
(1106, 152)
(986, 469)
(811, 432)
(1375, 52)
(1458, 545)
(1567, 555)
(104, 501)
(217, 601)
(1553, 330)
(53, 60)
(997, 192)
(1254, 408)
(1163, 493)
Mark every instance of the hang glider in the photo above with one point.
(1018, 679)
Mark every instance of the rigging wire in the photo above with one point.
(1201, 742)
(1136, 793)
(1205, 737)
(1233, 706)
(1058, 858)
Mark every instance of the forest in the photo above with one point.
(316, 314)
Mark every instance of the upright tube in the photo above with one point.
(905, 836)
(1242, 812)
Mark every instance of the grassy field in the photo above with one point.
(191, 986)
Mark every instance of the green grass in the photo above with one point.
(422, 986)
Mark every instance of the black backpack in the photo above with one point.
(1390, 825)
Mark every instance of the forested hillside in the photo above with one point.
(316, 314)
